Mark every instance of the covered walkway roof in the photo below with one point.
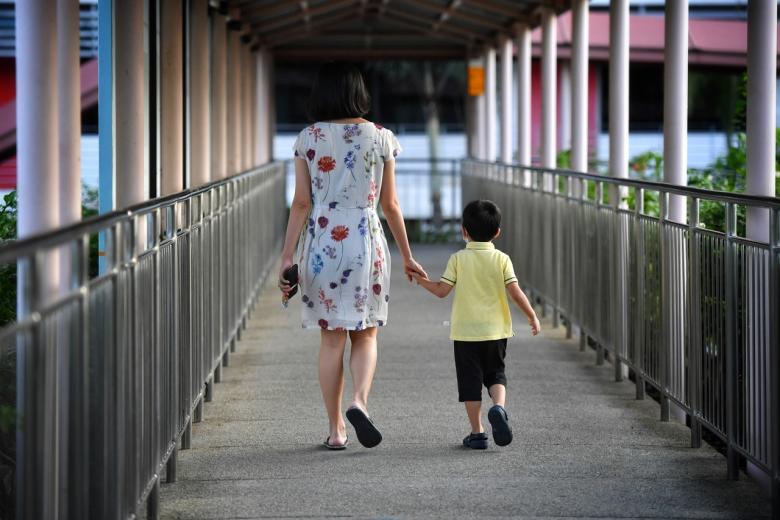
(383, 29)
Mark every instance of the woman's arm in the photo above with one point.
(520, 299)
(388, 199)
(299, 212)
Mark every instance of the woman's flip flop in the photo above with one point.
(367, 433)
(335, 447)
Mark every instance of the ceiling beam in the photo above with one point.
(284, 36)
(369, 54)
(423, 30)
(451, 11)
(259, 12)
(295, 16)
(429, 24)
(488, 5)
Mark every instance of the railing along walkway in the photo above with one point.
(584, 446)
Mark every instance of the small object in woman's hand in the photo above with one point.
(291, 276)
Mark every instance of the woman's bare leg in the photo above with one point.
(332, 345)
(362, 364)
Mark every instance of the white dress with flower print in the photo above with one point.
(345, 264)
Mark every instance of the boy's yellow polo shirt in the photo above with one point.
(480, 310)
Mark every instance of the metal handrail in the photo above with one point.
(113, 370)
(690, 312)
(672, 189)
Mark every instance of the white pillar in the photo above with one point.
(676, 103)
(37, 125)
(171, 97)
(618, 93)
(761, 93)
(564, 106)
(234, 162)
(261, 142)
(480, 128)
(549, 92)
(219, 103)
(253, 109)
(69, 77)
(506, 100)
(491, 110)
(270, 96)
(523, 33)
(579, 85)
(200, 151)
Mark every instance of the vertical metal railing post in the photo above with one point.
(639, 322)
(583, 271)
(774, 357)
(694, 325)
(732, 457)
(664, 353)
(599, 278)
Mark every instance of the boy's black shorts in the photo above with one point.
(479, 363)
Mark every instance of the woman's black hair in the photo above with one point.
(338, 92)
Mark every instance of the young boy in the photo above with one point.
(480, 324)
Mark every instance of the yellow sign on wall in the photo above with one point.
(476, 80)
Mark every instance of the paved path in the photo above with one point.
(583, 446)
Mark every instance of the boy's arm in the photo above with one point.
(520, 299)
(440, 289)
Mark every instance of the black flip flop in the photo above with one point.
(335, 447)
(367, 433)
(502, 432)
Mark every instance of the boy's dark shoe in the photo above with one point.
(499, 420)
(476, 441)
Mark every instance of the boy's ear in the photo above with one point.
(498, 234)
(465, 233)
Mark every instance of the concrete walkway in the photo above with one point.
(584, 448)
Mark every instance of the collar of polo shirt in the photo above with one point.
(480, 245)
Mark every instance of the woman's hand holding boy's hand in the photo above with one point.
(412, 268)
(535, 325)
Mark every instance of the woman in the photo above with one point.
(344, 166)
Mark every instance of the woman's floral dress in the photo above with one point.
(344, 261)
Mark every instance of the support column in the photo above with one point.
(676, 103)
(523, 33)
(246, 108)
(234, 158)
(579, 87)
(171, 97)
(271, 95)
(490, 104)
(253, 111)
(549, 92)
(761, 93)
(200, 151)
(69, 77)
(506, 100)
(564, 105)
(218, 116)
(618, 93)
(37, 117)
(261, 138)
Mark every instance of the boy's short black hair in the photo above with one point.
(338, 92)
(481, 219)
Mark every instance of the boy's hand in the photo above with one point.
(418, 278)
(535, 325)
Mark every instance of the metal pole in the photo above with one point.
(233, 96)
(506, 100)
(731, 398)
(524, 99)
(199, 86)
(490, 104)
(69, 77)
(774, 357)
(579, 89)
(618, 95)
(172, 103)
(761, 93)
(480, 122)
(549, 93)
(129, 146)
(676, 103)
(218, 117)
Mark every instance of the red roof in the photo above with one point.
(710, 42)
(8, 174)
